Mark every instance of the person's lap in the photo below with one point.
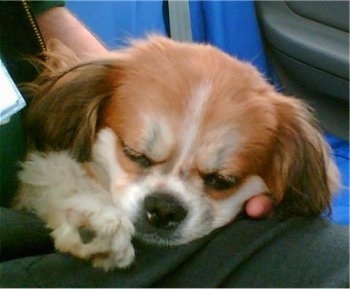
(269, 253)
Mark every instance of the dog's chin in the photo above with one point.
(165, 237)
(158, 240)
(158, 236)
(154, 238)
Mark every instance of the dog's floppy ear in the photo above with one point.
(66, 100)
(301, 174)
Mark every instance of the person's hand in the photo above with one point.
(259, 207)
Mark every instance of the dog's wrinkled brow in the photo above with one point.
(208, 151)
(217, 149)
(153, 136)
(157, 138)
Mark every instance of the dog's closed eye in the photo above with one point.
(220, 182)
(142, 160)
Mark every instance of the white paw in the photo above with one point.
(102, 236)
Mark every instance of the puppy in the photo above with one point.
(163, 141)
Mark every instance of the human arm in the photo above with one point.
(59, 23)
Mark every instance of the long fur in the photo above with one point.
(62, 116)
(69, 96)
(194, 111)
(304, 174)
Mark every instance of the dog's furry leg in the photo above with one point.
(84, 220)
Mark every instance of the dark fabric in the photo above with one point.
(22, 234)
(294, 253)
(12, 149)
(17, 41)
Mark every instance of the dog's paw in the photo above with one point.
(104, 237)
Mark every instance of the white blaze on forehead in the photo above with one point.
(197, 104)
(157, 137)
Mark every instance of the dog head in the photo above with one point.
(182, 135)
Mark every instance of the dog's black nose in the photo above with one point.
(164, 211)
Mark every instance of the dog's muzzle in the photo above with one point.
(160, 218)
(163, 211)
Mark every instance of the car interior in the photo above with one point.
(307, 43)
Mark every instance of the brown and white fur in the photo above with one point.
(165, 141)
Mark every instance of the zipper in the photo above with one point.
(34, 25)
